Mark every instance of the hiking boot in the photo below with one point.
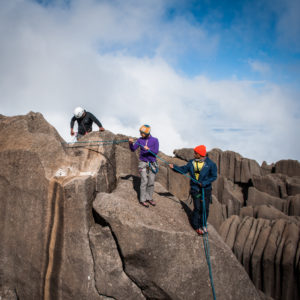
(144, 204)
(200, 231)
(152, 202)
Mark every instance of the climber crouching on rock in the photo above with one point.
(85, 121)
(148, 166)
(204, 171)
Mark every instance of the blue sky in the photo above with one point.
(221, 73)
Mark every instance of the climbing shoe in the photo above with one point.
(144, 204)
(200, 231)
(152, 202)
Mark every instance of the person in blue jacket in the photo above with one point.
(204, 172)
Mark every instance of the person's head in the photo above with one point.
(200, 151)
(79, 112)
(145, 131)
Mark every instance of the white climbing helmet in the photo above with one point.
(78, 112)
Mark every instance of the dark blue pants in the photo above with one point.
(197, 217)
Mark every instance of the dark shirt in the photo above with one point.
(85, 123)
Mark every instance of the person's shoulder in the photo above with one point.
(154, 138)
(210, 161)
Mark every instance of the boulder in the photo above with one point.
(256, 198)
(269, 251)
(271, 184)
(162, 254)
(288, 167)
(293, 186)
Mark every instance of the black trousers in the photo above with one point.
(198, 218)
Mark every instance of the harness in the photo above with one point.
(152, 166)
(198, 165)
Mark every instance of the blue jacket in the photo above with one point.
(208, 174)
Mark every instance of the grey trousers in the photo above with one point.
(147, 182)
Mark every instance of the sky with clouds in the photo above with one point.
(221, 73)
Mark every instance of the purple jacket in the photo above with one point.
(145, 155)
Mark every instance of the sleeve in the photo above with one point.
(134, 146)
(95, 120)
(213, 174)
(183, 169)
(72, 122)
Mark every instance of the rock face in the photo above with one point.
(71, 226)
(256, 211)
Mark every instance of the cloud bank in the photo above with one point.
(120, 60)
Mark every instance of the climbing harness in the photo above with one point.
(153, 167)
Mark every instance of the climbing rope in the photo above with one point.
(206, 245)
(92, 143)
(85, 142)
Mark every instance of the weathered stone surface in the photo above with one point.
(228, 194)
(256, 198)
(266, 212)
(266, 169)
(288, 167)
(293, 186)
(271, 184)
(185, 154)
(109, 274)
(48, 230)
(154, 245)
(294, 205)
(269, 251)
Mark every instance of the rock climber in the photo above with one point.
(148, 166)
(204, 171)
(85, 121)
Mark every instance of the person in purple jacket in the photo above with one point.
(148, 166)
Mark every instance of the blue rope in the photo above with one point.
(97, 142)
(206, 245)
(205, 237)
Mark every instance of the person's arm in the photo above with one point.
(134, 146)
(213, 174)
(72, 125)
(97, 122)
(183, 169)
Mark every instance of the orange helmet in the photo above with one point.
(145, 129)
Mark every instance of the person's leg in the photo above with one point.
(196, 212)
(150, 185)
(144, 181)
(207, 197)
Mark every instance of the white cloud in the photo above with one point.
(51, 64)
(259, 66)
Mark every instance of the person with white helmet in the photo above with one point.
(148, 167)
(85, 121)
